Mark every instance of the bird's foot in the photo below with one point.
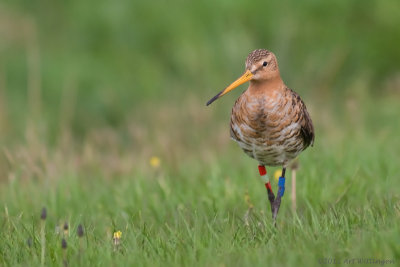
(275, 208)
(277, 203)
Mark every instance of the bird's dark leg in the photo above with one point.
(264, 177)
(281, 191)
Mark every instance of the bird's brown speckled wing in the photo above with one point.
(307, 127)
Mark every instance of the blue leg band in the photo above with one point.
(281, 185)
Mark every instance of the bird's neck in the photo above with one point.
(270, 86)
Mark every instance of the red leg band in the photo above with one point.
(268, 186)
(262, 170)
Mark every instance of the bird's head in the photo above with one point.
(261, 66)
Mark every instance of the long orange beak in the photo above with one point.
(244, 78)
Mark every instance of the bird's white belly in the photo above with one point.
(277, 152)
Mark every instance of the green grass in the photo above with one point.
(191, 209)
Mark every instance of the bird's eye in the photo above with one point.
(265, 63)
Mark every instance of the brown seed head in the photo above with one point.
(64, 243)
(79, 231)
(43, 215)
(295, 164)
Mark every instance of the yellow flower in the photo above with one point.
(155, 162)
(117, 235)
(277, 174)
(117, 239)
(247, 200)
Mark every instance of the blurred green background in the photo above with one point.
(101, 61)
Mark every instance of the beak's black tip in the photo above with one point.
(213, 99)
